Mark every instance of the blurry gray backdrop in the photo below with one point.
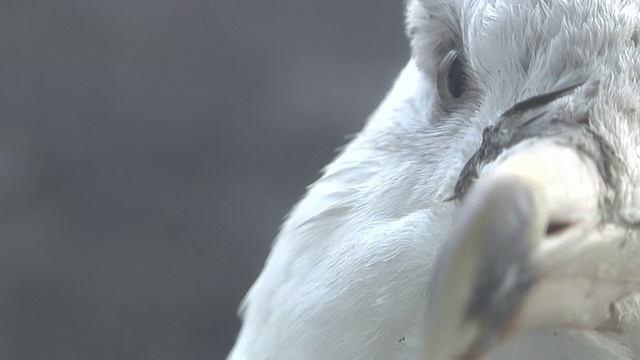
(149, 150)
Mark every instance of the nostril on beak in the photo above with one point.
(556, 227)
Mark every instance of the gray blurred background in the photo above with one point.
(149, 150)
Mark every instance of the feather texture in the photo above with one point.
(348, 272)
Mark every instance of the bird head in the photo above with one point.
(546, 232)
(494, 192)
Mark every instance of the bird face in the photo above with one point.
(495, 192)
(547, 232)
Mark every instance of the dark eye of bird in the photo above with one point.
(456, 78)
(451, 81)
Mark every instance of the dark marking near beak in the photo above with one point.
(537, 117)
(539, 101)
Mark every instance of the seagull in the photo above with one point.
(489, 208)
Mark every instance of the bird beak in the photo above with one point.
(530, 251)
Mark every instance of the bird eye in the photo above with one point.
(451, 81)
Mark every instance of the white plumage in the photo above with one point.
(349, 272)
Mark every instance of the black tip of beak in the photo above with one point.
(486, 263)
